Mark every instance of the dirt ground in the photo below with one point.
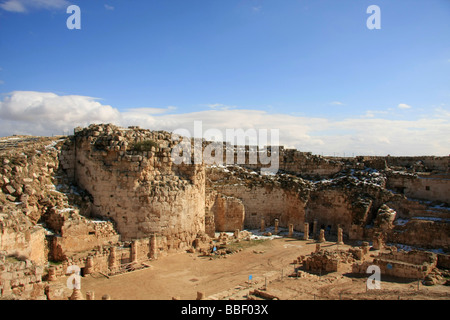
(265, 264)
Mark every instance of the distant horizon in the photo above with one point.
(280, 145)
(314, 70)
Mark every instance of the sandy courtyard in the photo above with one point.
(270, 262)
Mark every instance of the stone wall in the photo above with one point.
(443, 261)
(20, 279)
(302, 163)
(327, 261)
(421, 233)
(228, 212)
(19, 237)
(82, 235)
(143, 192)
(421, 164)
(426, 187)
(29, 167)
(269, 204)
(411, 265)
(330, 208)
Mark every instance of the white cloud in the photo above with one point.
(219, 106)
(150, 110)
(372, 113)
(108, 7)
(336, 103)
(22, 6)
(40, 113)
(45, 113)
(404, 106)
(2, 82)
(13, 6)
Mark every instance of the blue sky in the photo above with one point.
(310, 67)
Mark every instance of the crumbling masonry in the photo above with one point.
(110, 200)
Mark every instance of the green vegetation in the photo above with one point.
(244, 244)
(145, 145)
(15, 258)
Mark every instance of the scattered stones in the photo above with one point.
(107, 194)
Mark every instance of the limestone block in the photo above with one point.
(9, 189)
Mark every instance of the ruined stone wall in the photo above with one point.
(269, 204)
(210, 199)
(412, 257)
(27, 242)
(20, 279)
(409, 208)
(82, 235)
(303, 163)
(274, 157)
(443, 261)
(330, 208)
(120, 257)
(228, 212)
(432, 188)
(425, 163)
(422, 233)
(28, 188)
(326, 261)
(411, 265)
(143, 192)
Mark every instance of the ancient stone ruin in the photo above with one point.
(112, 200)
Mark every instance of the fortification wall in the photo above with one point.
(427, 163)
(261, 202)
(426, 187)
(330, 208)
(422, 233)
(410, 265)
(28, 170)
(143, 192)
(28, 243)
(228, 213)
(21, 279)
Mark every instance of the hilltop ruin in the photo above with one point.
(111, 199)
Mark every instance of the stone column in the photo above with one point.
(90, 295)
(314, 228)
(112, 258)
(276, 226)
(306, 231)
(200, 295)
(76, 295)
(263, 225)
(322, 235)
(377, 242)
(134, 251)
(51, 274)
(291, 230)
(236, 233)
(89, 267)
(365, 247)
(153, 247)
(340, 236)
